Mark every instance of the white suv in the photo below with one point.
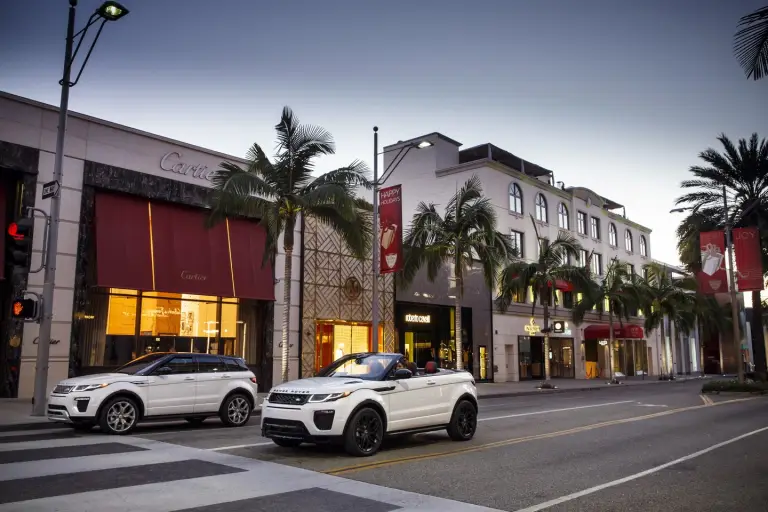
(157, 386)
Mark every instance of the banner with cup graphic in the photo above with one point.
(390, 234)
(749, 261)
(712, 278)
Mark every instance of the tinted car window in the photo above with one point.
(139, 364)
(182, 364)
(235, 364)
(210, 364)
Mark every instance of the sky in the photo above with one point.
(612, 95)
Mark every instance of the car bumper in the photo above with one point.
(311, 422)
(73, 407)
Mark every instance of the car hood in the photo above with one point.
(99, 378)
(324, 384)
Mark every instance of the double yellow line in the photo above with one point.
(706, 400)
(518, 440)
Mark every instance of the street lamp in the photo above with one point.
(402, 152)
(731, 277)
(109, 11)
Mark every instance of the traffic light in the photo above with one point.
(24, 309)
(20, 244)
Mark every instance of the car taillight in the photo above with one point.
(253, 379)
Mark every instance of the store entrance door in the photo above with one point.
(418, 347)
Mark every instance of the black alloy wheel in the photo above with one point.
(464, 422)
(364, 433)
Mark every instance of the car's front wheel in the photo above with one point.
(287, 443)
(364, 433)
(463, 422)
(119, 416)
(235, 411)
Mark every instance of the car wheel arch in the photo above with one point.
(469, 398)
(368, 403)
(239, 391)
(127, 394)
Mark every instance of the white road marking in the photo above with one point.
(640, 404)
(237, 446)
(598, 488)
(551, 410)
(706, 400)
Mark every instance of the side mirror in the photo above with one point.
(164, 370)
(403, 373)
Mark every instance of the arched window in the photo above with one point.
(643, 247)
(562, 216)
(541, 208)
(515, 198)
(613, 237)
(628, 241)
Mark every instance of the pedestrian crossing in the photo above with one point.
(57, 469)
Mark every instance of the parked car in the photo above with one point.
(157, 386)
(361, 398)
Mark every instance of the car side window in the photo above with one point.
(234, 365)
(181, 365)
(210, 364)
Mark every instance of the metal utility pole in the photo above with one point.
(375, 247)
(732, 289)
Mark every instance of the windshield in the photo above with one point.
(139, 364)
(367, 367)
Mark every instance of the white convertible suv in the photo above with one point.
(157, 386)
(360, 398)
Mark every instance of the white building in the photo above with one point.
(519, 190)
(137, 270)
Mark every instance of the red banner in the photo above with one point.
(712, 278)
(749, 264)
(390, 234)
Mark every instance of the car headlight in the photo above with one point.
(90, 387)
(329, 397)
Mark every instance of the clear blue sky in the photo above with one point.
(616, 96)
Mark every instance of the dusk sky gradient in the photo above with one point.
(613, 95)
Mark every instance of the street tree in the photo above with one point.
(750, 44)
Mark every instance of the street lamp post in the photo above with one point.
(109, 11)
(375, 249)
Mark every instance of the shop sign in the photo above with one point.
(390, 229)
(36, 341)
(418, 319)
(352, 288)
(532, 328)
(173, 162)
(603, 343)
(192, 276)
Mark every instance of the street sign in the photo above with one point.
(51, 189)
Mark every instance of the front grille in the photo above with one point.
(284, 428)
(62, 390)
(57, 407)
(288, 398)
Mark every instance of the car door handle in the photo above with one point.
(225, 377)
(189, 378)
(431, 383)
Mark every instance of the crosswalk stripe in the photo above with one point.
(17, 433)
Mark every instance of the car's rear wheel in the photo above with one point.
(287, 443)
(195, 421)
(463, 422)
(235, 411)
(364, 433)
(119, 416)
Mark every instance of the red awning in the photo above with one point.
(168, 248)
(602, 332)
(247, 242)
(123, 255)
(188, 257)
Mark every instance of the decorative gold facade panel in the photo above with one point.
(337, 287)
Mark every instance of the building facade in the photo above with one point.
(137, 270)
(531, 205)
(336, 300)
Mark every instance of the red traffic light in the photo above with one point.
(25, 309)
(18, 308)
(13, 230)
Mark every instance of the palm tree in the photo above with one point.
(541, 276)
(618, 292)
(743, 172)
(278, 191)
(465, 233)
(750, 44)
(663, 297)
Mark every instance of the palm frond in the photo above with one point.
(750, 44)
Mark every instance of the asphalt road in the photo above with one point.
(651, 447)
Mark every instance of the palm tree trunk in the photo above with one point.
(610, 345)
(288, 273)
(546, 341)
(758, 341)
(457, 326)
(664, 347)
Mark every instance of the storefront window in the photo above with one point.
(168, 322)
(334, 340)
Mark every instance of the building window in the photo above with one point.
(543, 244)
(568, 300)
(630, 269)
(541, 208)
(516, 238)
(583, 255)
(337, 339)
(613, 238)
(628, 241)
(597, 264)
(645, 273)
(562, 216)
(581, 221)
(643, 247)
(595, 227)
(515, 198)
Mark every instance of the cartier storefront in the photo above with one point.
(336, 301)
